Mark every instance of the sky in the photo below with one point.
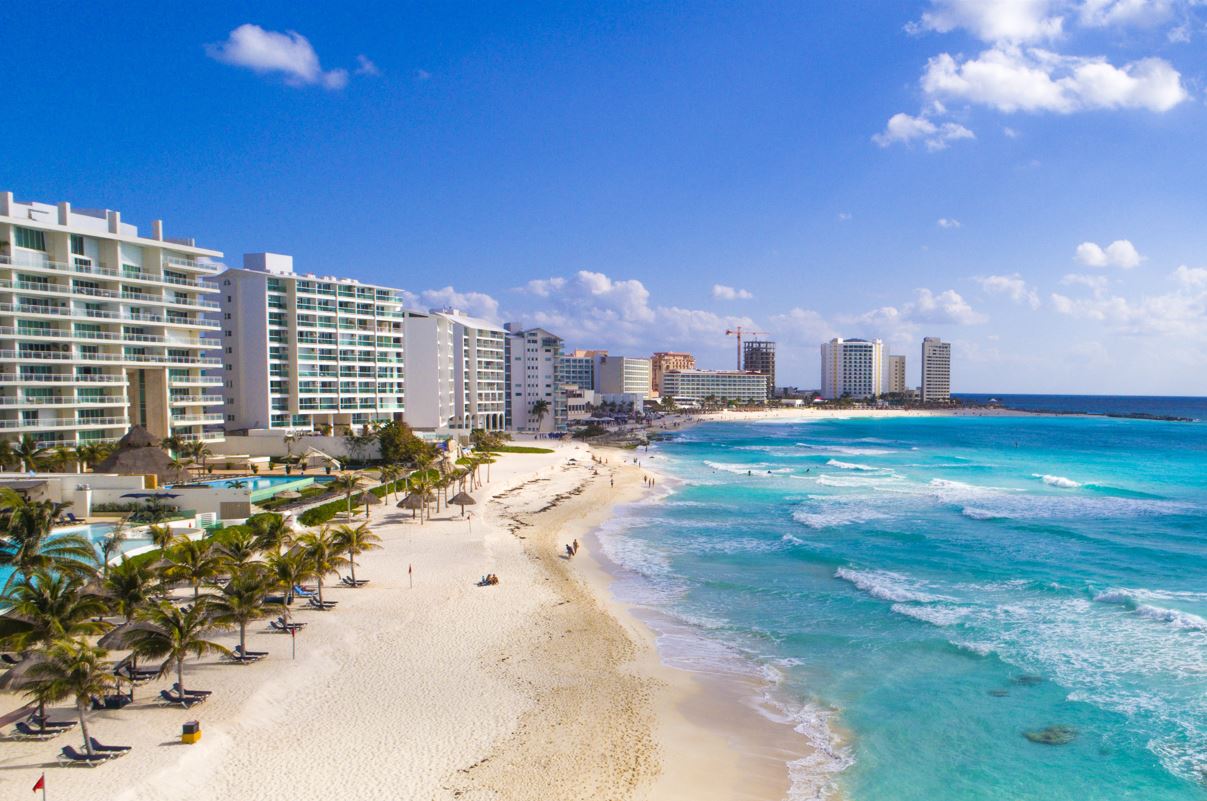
(1024, 178)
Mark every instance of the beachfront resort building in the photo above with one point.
(936, 370)
(102, 328)
(692, 387)
(623, 375)
(579, 367)
(536, 397)
(852, 368)
(665, 361)
(479, 371)
(758, 356)
(307, 352)
(896, 375)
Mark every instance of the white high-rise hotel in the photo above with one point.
(852, 367)
(101, 328)
(936, 370)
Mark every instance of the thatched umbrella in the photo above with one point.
(462, 499)
(368, 499)
(15, 677)
(139, 453)
(414, 502)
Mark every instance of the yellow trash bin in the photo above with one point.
(191, 732)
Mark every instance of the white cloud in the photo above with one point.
(1120, 253)
(1009, 78)
(475, 304)
(1191, 277)
(994, 20)
(722, 292)
(945, 308)
(1141, 13)
(803, 326)
(1181, 313)
(906, 129)
(288, 53)
(1012, 286)
(844, 216)
(1095, 283)
(948, 222)
(366, 67)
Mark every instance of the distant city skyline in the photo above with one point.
(1022, 180)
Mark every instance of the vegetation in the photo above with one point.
(519, 449)
(72, 669)
(400, 446)
(174, 634)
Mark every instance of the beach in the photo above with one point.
(540, 687)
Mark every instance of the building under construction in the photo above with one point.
(758, 356)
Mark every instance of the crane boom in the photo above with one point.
(738, 332)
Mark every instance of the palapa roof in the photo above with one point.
(138, 453)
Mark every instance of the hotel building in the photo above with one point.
(693, 386)
(579, 366)
(479, 371)
(102, 328)
(307, 352)
(536, 395)
(896, 375)
(852, 368)
(936, 370)
(758, 356)
(665, 361)
(623, 375)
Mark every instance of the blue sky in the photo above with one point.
(1023, 177)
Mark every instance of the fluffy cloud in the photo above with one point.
(1192, 277)
(364, 66)
(944, 308)
(1179, 312)
(1095, 283)
(1009, 78)
(722, 292)
(1120, 253)
(1012, 286)
(475, 304)
(906, 129)
(289, 54)
(948, 222)
(803, 326)
(1143, 13)
(993, 20)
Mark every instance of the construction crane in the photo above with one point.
(739, 332)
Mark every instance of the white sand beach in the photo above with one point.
(538, 688)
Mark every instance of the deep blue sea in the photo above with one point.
(1158, 406)
(922, 594)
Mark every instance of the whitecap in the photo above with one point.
(1057, 481)
(888, 586)
(837, 517)
(935, 615)
(851, 465)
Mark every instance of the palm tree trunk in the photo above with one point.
(352, 565)
(83, 711)
(320, 583)
(180, 676)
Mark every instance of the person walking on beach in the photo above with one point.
(576, 547)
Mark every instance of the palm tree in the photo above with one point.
(355, 540)
(7, 457)
(271, 529)
(389, 475)
(174, 444)
(540, 408)
(238, 549)
(130, 584)
(90, 453)
(72, 669)
(163, 537)
(26, 542)
(194, 561)
(198, 451)
(47, 606)
(289, 570)
(174, 634)
(242, 601)
(323, 555)
(30, 453)
(347, 483)
(62, 458)
(111, 545)
(181, 468)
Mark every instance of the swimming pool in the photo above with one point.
(256, 483)
(95, 533)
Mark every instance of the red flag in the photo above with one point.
(41, 785)
(410, 569)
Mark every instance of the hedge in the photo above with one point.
(323, 513)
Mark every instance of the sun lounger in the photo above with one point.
(107, 749)
(70, 756)
(302, 593)
(251, 654)
(194, 693)
(9, 659)
(315, 603)
(347, 581)
(27, 732)
(280, 625)
(47, 723)
(185, 701)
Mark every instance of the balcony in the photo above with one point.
(60, 400)
(196, 419)
(195, 381)
(119, 275)
(66, 422)
(61, 378)
(120, 358)
(196, 400)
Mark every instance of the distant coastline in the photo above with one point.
(1182, 409)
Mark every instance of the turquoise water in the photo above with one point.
(922, 593)
(95, 532)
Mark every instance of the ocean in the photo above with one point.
(990, 608)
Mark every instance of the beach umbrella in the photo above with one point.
(414, 502)
(15, 677)
(462, 499)
(116, 639)
(368, 499)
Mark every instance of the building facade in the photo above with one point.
(852, 367)
(536, 396)
(896, 375)
(579, 367)
(758, 356)
(303, 352)
(694, 386)
(623, 375)
(936, 370)
(101, 328)
(665, 361)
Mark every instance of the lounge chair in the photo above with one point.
(281, 625)
(185, 701)
(27, 732)
(315, 603)
(348, 581)
(194, 693)
(250, 654)
(107, 749)
(70, 518)
(302, 593)
(47, 723)
(70, 756)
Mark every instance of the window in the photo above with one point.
(31, 239)
(77, 244)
